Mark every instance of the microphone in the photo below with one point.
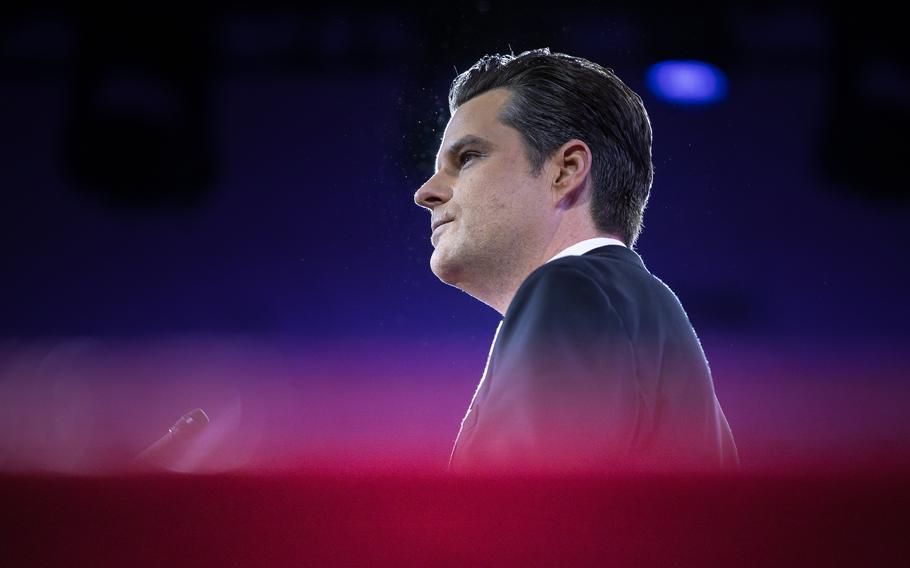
(172, 445)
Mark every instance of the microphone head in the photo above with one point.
(190, 423)
(172, 446)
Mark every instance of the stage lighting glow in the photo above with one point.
(687, 82)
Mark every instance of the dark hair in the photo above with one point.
(556, 97)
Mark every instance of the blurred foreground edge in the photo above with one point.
(373, 519)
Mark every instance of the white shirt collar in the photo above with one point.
(587, 245)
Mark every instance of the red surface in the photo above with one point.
(310, 519)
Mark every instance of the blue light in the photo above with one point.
(687, 82)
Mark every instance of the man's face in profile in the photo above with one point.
(488, 212)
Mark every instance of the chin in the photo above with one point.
(444, 267)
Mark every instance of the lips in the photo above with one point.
(436, 226)
(439, 223)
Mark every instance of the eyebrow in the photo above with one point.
(467, 140)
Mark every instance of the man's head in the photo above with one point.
(550, 132)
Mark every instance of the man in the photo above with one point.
(541, 181)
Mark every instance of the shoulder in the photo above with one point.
(571, 280)
(559, 295)
(558, 282)
(562, 318)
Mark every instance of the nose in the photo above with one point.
(435, 191)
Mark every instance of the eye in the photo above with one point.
(465, 157)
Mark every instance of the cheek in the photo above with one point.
(486, 209)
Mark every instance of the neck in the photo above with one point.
(500, 292)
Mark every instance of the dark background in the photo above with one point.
(238, 181)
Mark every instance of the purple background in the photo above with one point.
(233, 193)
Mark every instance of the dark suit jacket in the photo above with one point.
(595, 366)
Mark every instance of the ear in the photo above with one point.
(572, 165)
